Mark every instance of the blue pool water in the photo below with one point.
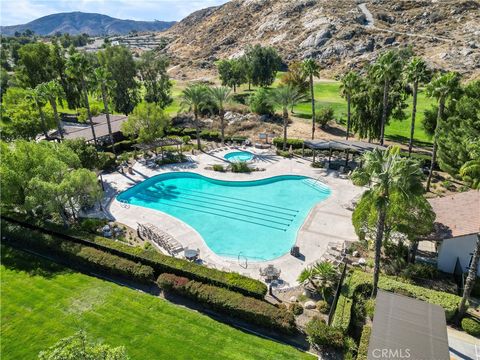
(238, 156)
(257, 219)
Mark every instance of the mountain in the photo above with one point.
(340, 34)
(93, 24)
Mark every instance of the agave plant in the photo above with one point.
(321, 276)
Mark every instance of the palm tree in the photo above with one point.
(311, 69)
(470, 282)
(103, 82)
(194, 98)
(320, 276)
(389, 176)
(77, 66)
(471, 171)
(286, 97)
(220, 96)
(52, 91)
(37, 97)
(442, 87)
(385, 70)
(349, 84)
(416, 74)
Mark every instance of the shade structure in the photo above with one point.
(354, 146)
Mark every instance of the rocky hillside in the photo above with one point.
(340, 34)
(93, 24)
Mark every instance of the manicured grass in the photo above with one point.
(43, 302)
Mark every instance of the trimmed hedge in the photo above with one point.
(343, 313)
(294, 143)
(230, 302)
(77, 254)
(166, 264)
(321, 335)
(471, 326)
(363, 344)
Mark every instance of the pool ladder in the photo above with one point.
(245, 265)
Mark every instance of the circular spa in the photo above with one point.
(236, 156)
(256, 219)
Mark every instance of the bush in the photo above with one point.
(240, 167)
(363, 344)
(323, 306)
(285, 154)
(343, 313)
(92, 225)
(171, 158)
(259, 102)
(106, 161)
(210, 135)
(231, 303)
(159, 262)
(324, 336)
(471, 326)
(294, 143)
(296, 308)
(317, 165)
(218, 167)
(370, 307)
(420, 271)
(186, 139)
(323, 116)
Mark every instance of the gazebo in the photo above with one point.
(358, 147)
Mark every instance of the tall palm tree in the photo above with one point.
(103, 82)
(389, 176)
(79, 67)
(416, 73)
(470, 282)
(220, 96)
(311, 69)
(52, 91)
(349, 84)
(442, 87)
(194, 98)
(386, 69)
(37, 97)
(286, 97)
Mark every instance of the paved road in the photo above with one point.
(463, 346)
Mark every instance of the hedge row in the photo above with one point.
(77, 254)
(362, 353)
(343, 313)
(230, 302)
(163, 263)
(211, 135)
(294, 143)
(471, 326)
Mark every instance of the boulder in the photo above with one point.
(317, 39)
(310, 305)
(293, 299)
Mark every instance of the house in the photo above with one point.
(407, 328)
(457, 224)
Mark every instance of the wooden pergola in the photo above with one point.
(356, 147)
(160, 143)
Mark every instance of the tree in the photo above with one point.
(34, 65)
(153, 71)
(4, 77)
(350, 84)
(320, 276)
(38, 98)
(416, 74)
(296, 76)
(103, 82)
(259, 102)
(286, 97)
(78, 346)
(311, 69)
(194, 97)
(51, 91)
(77, 66)
(220, 96)
(471, 277)
(119, 62)
(389, 176)
(232, 73)
(442, 87)
(147, 123)
(265, 63)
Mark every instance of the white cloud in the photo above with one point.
(14, 12)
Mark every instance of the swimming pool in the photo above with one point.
(238, 156)
(257, 219)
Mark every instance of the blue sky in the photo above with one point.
(14, 12)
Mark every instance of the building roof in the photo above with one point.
(352, 145)
(100, 125)
(407, 328)
(457, 215)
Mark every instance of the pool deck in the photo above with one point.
(329, 221)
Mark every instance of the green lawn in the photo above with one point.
(43, 302)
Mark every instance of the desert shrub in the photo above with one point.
(343, 313)
(323, 306)
(296, 308)
(240, 167)
(231, 303)
(471, 326)
(323, 116)
(260, 103)
(362, 353)
(218, 167)
(294, 143)
(323, 336)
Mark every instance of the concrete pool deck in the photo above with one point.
(328, 221)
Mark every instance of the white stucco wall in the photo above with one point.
(460, 247)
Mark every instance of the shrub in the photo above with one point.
(363, 344)
(171, 158)
(420, 271)
(240, 167)
(323, 116)
(218, 167)
(323, 306)
(285, 154)
(106, 160)
(260, 103)
(91, 224)
(296, 308)
(231, 303)
(294, 143)
(471, 326)
(324, 336)
(317, 164)
(343, 313)
(186, 139)
(210, 135)
(370, 307)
